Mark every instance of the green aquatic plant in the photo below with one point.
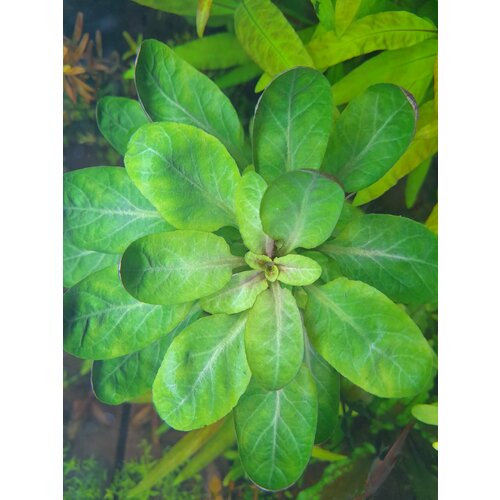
(232, 276)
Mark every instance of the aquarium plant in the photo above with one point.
(230, 276)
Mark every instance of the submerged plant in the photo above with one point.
(231, 282)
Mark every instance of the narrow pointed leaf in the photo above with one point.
(176, 267)
(160, 77)
(368, 339)
(297, 270)
(300, 209)
(192, 388)
(238, 295)
(381, 31)
(202, 16)
(184, 7)
(240, 74)
(117, 380)
(293, 120)
(370, 136)
(118, 118)
(275, 431)
(345, 13)
(105, 212)
(394, 254)
(415, 181)
(273, 338)
(187, 175)
(79, 263)
(432, 220)
(102, 321)
(268, 38)
(249, 195)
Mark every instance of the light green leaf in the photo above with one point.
(292, 124)
(249, 195)
(394, 254)
(327, 382)
(300, 209)
(218, 51)
(325, 12)
(202, 16)
(345, 13)
(268, 38)
(238, 75)
(415, 181)
(186, 7)
(423, 146)
(192, 388)
(186, 173)
(411, 68)
(238, 295)
(275, 431)
(370, 136)
(118, 118)
(258, 262)
(263, 82)
(102, 321)
(432, 220)
(329, 268)
(382, 31)
(428, 414)
(160, 77)
(297, 270)
(176, 267)
(368, 339)
(105, 212)
(274, 341)
(348, 214)
(79, 263)
(117, 380)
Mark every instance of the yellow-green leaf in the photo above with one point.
(202, 16)
(432, 220)
(345, 12)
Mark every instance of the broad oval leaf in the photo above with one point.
(327, 381)
(381, 31)
(275, 431)
(396, 255)
(192, 388)
(118, 118)
(79, 263)
(117, 380)
(160, 78)
(105, 212)
(186, 173)
(428, 414)
(300, 209)
(249, 195)
(176, 267)
(297, 270)
(370, 136)
(292, 124)
(238, 295)
(268, 38)
(102, 321)
(368, 339)
(274, 341)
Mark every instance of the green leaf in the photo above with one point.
(428, 414)
(370, 136)
(102, 321)
(218, 51)
(186, 173)
(329, 268)
(186, 7)
(300, 209)
(202, 16)
(118, 118)
(238, 75)
(394, 254)
(268, 38)
(238, 295)
(415, 181)
(327, 382)
(368, 339)
(160, 78)
(345, 13)
(105, 212)
(432, 220)
(117, 380)
(176, 267)
(192, 388)
(410, 68)
(297, 270)
(249, 195)
(423, 146)
(292, 124)
(275, 431)
(79, 263)
(325, 12)
(382, 31)
(274, 341)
